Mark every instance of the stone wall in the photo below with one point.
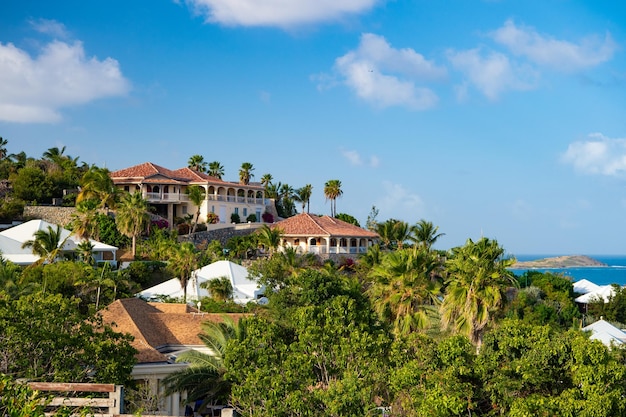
(220, 234)
(56, 215)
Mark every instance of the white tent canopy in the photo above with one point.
(12, 239)
(244, 289)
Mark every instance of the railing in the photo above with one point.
(81, 395)
(238, 199)
(173, 197)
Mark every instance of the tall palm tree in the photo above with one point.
(131, 217)
(270, 237)
(197, 163)
(245, 173)
(204, 378)
(424, 233)
(47, 244)
(96, 184)
(85, 251)
(55, 155)
(332, 190)
(303, 195)
(475, 288)
(196, 194)
(183, 260)
(407, 288)
(216, 169)
(393, 233)
(84, 221)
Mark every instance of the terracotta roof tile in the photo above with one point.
(311, 225)
(155, 325)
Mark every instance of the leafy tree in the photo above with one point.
(245, 173)
(32, 184)
(131, 217)
(108, 232)
(196, 194)
(348, 219)
(45, 338)
(216, 169)
(197, 163)
(371, 223)
(614, 309)
(475, 288)
(332, 191)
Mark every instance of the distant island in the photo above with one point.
(573, 261)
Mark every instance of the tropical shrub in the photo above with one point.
(212, 218)
(268, 217)
(251, 218)
(234, 218)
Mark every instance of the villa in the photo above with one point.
(325, 236)
(166, 191)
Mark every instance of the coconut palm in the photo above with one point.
(266, 179)
(131, 217)
(182, 261)
(270, 237)
(332, 190)
(245, 173)
(407, 288)
(84, 221)
(393, 233)
(196, 194)
(197, 163)
(204, 378)
(475, 288)
(96, 184)
(220, 289)
(303, 195)
(85, 251)
(47, 244)
(216, 169)
(424, 233)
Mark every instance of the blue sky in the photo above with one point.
(504, 119)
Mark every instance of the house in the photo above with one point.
(12, 240)
(606, 333)
(165, 190)
(161, 332)
(245, 289)
(325, 236)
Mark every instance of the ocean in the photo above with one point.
(613, 273)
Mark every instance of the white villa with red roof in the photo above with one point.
(165, 190)
(325, 236)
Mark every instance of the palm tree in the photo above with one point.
(266, 179)
(96, 184)
(55, 155)
(183, 260)
(425, 234)
(475, 288)
(131, 217)
(196, 194)
(197, 163)
(406, 289)
(47, 244)
(221, 289)
(245, 173)
(303, 195)
(85, 252)
(3, 148)
(204, 378)
(332, 190)
(84, 221)
(270, 237)
(216, 169)
(393, 233)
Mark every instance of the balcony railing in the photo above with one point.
(236, 199)
(166, 197)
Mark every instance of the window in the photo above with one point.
(184, 209)
(245, 212)
(236, 210)
(212, 209)
(296, 242)
(126, 188)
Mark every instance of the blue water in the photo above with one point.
(613, 273)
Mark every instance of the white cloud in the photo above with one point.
(384, 76)
(355, 158)
(50, 27)
(598, 156)
(396, 201)
(554, 53)
(281, 13)
(491, 74)
(34, 89)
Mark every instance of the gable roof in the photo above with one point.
(12, 239)
(157, 326)
(584, 286)
(305, 224)
(605, 332)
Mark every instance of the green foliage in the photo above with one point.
(45, 338)
(108, 233)
(251, 218)
(234, 218)
(614, 309)
(348, 219)
(11, 209)
(31, 184)
(18, 400)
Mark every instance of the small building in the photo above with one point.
(606, 333)
(166, 191)
(13, 238)
(161, 332)
(325, 236)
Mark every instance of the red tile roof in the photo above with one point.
(155, 325)
(305, 224)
